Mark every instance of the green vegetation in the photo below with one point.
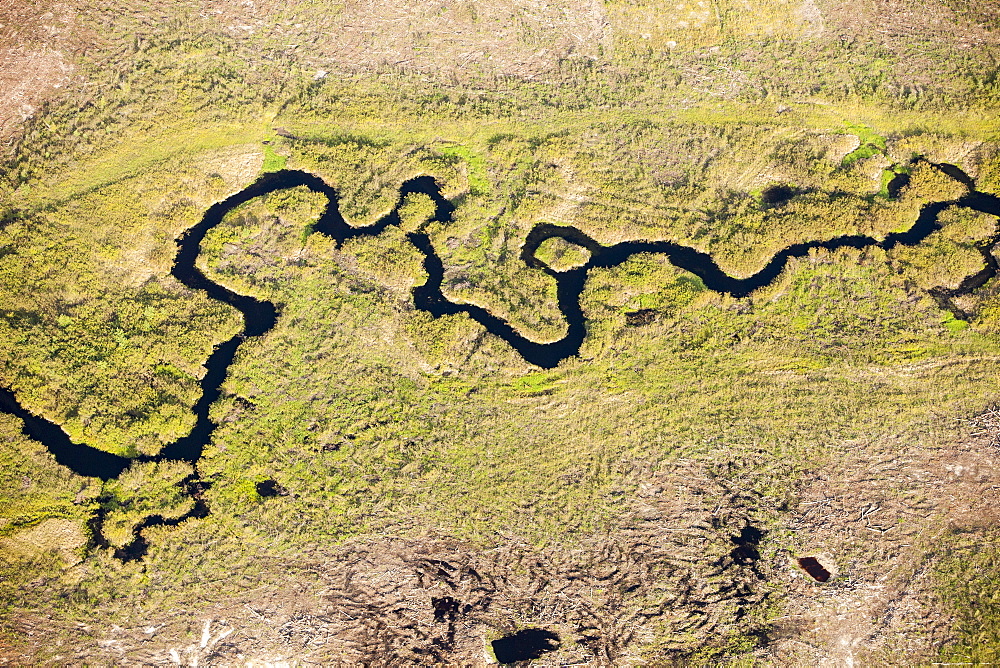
(871, 144)
(415, 211)
(272, 161)
(478, 180)
(561, 255)
(146, 489)
(891, 172)
(377, 420)
(34, 488)
(966, 575)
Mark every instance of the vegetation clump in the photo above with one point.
(144, 490)
(561, 255)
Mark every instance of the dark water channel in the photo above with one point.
(260, 316)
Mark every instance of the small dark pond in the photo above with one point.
(815, 569)
(777, 195)
(896, 184)
(525, 645)
(746, 543)
(269, 488)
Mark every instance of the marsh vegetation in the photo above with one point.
(368, 457)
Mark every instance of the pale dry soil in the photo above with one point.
(878, 520)
(36, 44)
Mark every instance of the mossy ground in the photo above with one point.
(381, 423)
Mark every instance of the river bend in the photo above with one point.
(260, 316)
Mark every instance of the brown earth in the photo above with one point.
(674, 575)
(36, 41)
(522, 38)
(906, 29)
(879, 517)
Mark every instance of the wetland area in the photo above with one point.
(260, 316)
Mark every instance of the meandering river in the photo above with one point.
(260, 316)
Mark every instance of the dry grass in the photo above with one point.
(60, 535)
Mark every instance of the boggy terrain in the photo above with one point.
(448, 569)
(535, 405)
(260, 316)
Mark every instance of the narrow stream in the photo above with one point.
(260, 316)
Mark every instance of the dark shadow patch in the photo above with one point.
(525, 645)
(8, 216)
(815, 569)
(641, 317)
(445, 608)
(777, 194)
(269, 488)
(746, 543)
(139, 546)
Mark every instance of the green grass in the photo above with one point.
(966, 583)
(479, 183)
(872, 144)
(536, 383)
(272, 161)
(954, 325)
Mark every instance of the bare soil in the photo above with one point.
(35, 44)
(900, 25)
(523, 38)
(880, 518)
(676, 573)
